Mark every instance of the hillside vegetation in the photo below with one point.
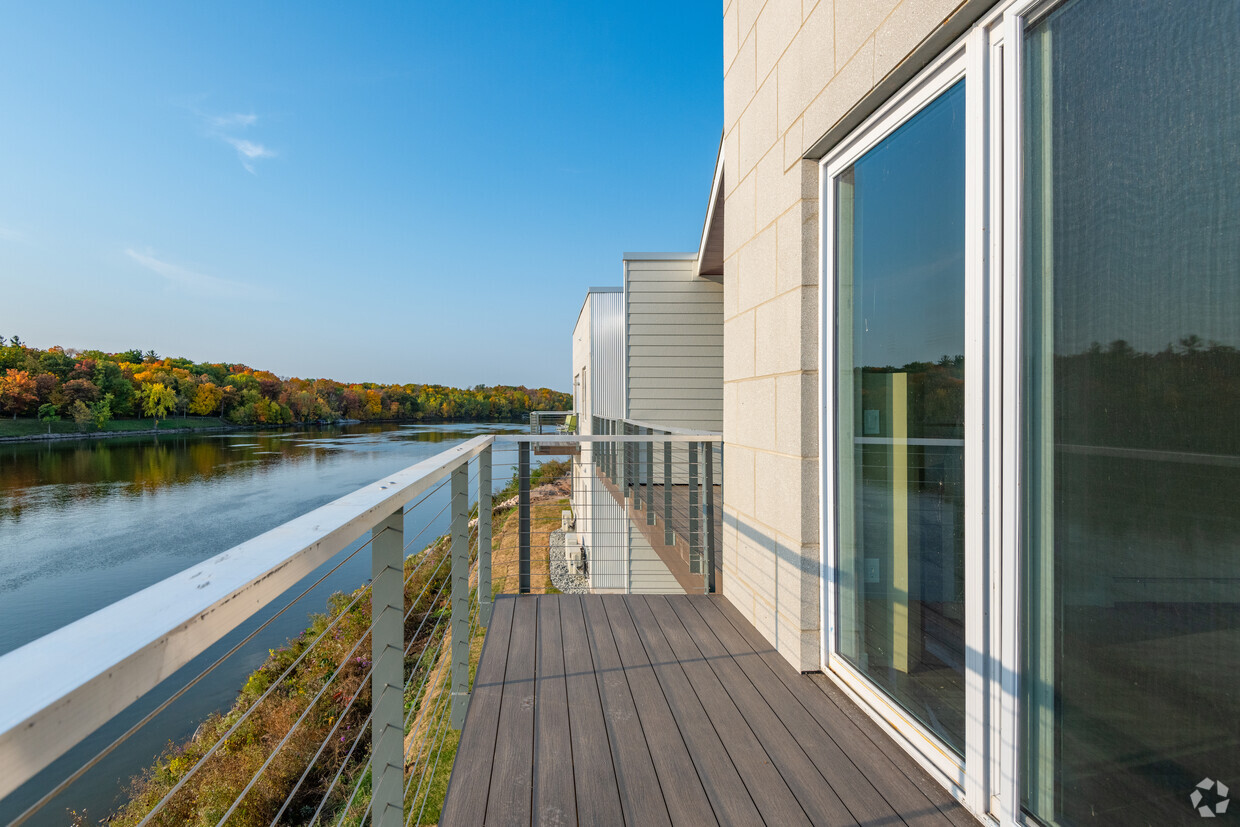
(90, 387)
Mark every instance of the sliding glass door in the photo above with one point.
(1131, 412)
(900, 351)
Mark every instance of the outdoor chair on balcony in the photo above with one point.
(569, 426)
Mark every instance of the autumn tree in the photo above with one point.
(17, 391)
(47, 413)
(82, 389)
(157, 400)
(82, 415)
(207, 397)
(101, 411)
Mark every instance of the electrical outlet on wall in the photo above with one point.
(871, 570)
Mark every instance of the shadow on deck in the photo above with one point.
(647, 710)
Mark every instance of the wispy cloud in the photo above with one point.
(233, 120)
(248, 151)
(11, 234)
(226, 127)
(195, 282)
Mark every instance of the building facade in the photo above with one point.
(981, 374)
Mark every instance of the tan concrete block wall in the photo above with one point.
(792, 70)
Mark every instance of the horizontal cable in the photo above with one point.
(245, 716)
(42, 802)
(349, 705)
(309, 707)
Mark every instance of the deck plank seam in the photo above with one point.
(919, 778)
(775, 712)
(477, 708)
(567, 717)
(640, 728)
(739, 714)
(763, 700)
(916, 782)
(675, 664)
(598, 694)
(679, 730)
(662, 694)
(766, 671)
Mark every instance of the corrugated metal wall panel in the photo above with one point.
(607, 347)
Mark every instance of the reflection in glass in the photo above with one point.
(1131, 442)
(900, 269)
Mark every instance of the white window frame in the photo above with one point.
(989, 57)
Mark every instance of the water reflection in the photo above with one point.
(87, 522)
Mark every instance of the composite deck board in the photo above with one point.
(555, 798)
(510, 799)
(466, 802)
(904, 769)
(632, 709)
(594, 773)
(728, 795)
(903, 784)
(775, 801)
(864, 801)
(641, 795)
(814, 793)
(682, 789)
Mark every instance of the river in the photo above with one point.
(86, 523)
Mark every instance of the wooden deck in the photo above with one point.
(648, 710)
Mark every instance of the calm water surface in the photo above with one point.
(86, 523)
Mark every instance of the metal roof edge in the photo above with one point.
(660, 256)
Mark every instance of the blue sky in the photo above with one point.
(404, 192)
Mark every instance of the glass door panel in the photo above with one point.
(1131, 412)
(900, 277)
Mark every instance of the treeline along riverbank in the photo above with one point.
(91, 389)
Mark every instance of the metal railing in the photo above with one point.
(542, 422)
(393, 681)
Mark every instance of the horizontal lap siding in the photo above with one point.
(674, 345)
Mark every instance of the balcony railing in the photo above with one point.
(549, 422)
(373, 729)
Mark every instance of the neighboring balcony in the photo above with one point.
(612, 706)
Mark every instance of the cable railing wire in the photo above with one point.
(365, 677)
(245, 716)
(310, 706)
(63, 785)
(639, 474)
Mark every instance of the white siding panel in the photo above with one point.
(648, 574)
(672, 351)
(608, 551)
(607, 335)
(674, 346)
(637, 384)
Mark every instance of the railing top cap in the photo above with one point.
(59, 688)
(568, 439)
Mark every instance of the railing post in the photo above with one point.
(523, 516)
(387, 679)
(624, 467)
(649, 479)
(695, 531)
(485, 589)
(669, 536)
(709, 516)
(460, 593)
